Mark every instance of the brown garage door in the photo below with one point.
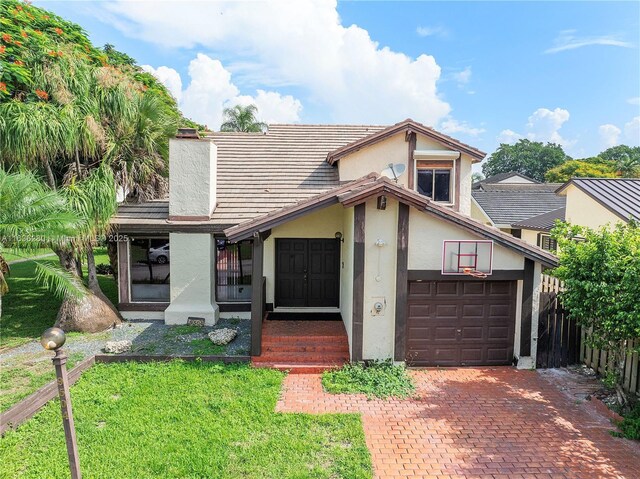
(461, 323)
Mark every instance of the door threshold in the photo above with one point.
(280, 309)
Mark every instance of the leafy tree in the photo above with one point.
(530, 158)
(475, 177)
(241, 118)
(67, 107)
(625, 158)
(601, 273)
(33, 216)
(586, 168)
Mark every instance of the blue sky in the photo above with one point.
(483, 72)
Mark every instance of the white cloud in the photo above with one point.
(438, 31)
(272, 106)
(451, 127)
(543, 125)
(211, 89)
(168, 77)
(462, 77)
(609, 134)
(634, 100)
(303, 43)
(567, 40)
(509, 137)
(632, 131)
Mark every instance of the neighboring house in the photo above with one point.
(299, 219)
(536, 230)
(508, 200)
(595, 202)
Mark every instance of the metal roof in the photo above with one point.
(619, 195)
(543, 222)
(507, 204)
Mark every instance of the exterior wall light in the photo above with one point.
(52, 340)
(338, 236)
(380, 242)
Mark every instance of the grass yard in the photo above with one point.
(29, 308)
(13, 255)
(186, 420)
(380, 379)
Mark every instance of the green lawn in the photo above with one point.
(29, 308)
(11, 255)
(186, 420)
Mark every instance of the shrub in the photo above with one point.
(630, 425)
(104, 269)
(381, 379)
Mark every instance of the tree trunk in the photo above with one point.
(67, 260)
(91, 314)
(112, 251)
(50, 178)
(92, 275)
(620, 353)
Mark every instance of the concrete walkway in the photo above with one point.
(478, 423)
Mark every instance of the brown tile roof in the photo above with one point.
(372, 185)
(543, 222)
(407, 125)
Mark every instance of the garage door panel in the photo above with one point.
(457, 323)
(446, 288)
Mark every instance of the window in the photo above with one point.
(546, 242)
(149, 260)
(433, 180)
(233, 271)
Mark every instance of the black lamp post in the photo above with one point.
(53, 339)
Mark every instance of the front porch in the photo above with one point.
(302, 346)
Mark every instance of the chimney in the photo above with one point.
(192, 176)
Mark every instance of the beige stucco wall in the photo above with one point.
(529, 236)
(346, 272)
(584, 211)
(323, 223)
(192, 177)
(380, 280)
(426, 234)
(377, 157)
(192, 278)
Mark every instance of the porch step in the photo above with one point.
(303, 357)
(303, 346)
(266, 338)
(297, 368)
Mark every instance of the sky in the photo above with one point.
(483, 72)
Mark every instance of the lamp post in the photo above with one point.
(53, 339)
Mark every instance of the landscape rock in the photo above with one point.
(117, 347)
(222, 336)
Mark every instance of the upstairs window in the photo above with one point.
(546, 242)
(434, 180)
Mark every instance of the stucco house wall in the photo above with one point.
(346, 272)
(529, 236)
(585, 211)
(381, 226)
(426, 235)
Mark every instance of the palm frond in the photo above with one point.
(60, 282)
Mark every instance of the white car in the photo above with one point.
(159, 255)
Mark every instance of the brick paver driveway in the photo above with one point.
(485, 423)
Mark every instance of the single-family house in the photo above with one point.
(369, 224)
(512, 202)
(595, 202)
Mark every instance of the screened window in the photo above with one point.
(149, 260)
(233, 271)
(546, 242)
(434, 180)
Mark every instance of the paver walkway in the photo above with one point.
(480, 423)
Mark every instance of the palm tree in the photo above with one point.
(33, 216)
(242, 118)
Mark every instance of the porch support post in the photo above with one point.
(257, 293)
(357, 322)
(527, 307)
(402, 258)
(123, 271)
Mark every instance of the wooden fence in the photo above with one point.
(562, 342)
(602, 361)
(559, 338)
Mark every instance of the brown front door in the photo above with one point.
(307, 272)
(461, 323)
